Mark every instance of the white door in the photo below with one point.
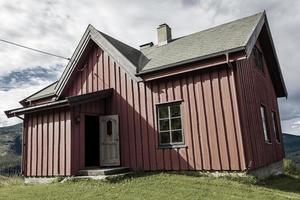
(109, 140)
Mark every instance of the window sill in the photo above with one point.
(267, 142)
(178, 146)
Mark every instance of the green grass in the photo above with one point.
(156, 186)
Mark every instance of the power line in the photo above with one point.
(32, 49)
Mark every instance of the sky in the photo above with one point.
(57, 26)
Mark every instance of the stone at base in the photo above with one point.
(273, 169)
(39, 180)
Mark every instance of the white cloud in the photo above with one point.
(10, 99)
(57, 26)
(291, 126)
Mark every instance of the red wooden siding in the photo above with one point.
(47, 148)
(255, 88)
(211, 122)
(214, 103)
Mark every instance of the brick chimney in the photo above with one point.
(164, 35)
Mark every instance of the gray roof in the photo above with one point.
(133, 55)
(225, 38)
(222, 38)
(45, 92)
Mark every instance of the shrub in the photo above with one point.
(290, 167)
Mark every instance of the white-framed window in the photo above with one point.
(264, 120)
(275, 126)
(169, 120)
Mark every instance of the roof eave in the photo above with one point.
(46, 106)
(252, 40)
(73, 61)
(69, 101)
(285, 93)
(234, 50)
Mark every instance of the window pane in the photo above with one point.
(164, 137)
(170, 125)
(264, 123)
(163, 112)
(109, 128)
(275, 126)
(176, 123)
(176, 136)
(175, 110)
(164, 125)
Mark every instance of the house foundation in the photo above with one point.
(273, 169)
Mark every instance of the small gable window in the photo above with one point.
(258, 57)
(170, 124)
(264, 120)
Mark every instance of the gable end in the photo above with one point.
(91, 34)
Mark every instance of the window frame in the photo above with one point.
(264, 122)
(170, 144)
(275, 126)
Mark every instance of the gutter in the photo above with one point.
(21, 111)
(69, 101)
(228, 61)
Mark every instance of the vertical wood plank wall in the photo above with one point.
(255, 88)
(211, 121)
(47, 149)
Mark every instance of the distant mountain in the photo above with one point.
(292, 148)
(291, 143)
(10, 146)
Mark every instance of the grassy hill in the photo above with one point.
(156, 186)
(151, 185)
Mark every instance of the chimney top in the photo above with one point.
(164, 34)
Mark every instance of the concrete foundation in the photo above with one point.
(273, 169)
(97, 174)
(39, 180)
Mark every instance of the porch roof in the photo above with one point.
(67, 102)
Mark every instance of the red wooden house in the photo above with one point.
(205, 101)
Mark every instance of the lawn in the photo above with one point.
(156, 186)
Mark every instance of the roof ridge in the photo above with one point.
(135, 56)
(117, 40)
(208, 29)
(217, 26)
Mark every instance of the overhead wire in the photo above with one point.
(33, 49)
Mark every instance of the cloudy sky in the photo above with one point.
(57, 26)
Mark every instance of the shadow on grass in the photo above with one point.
(142, 174)
(284, 183)
(133, 175)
